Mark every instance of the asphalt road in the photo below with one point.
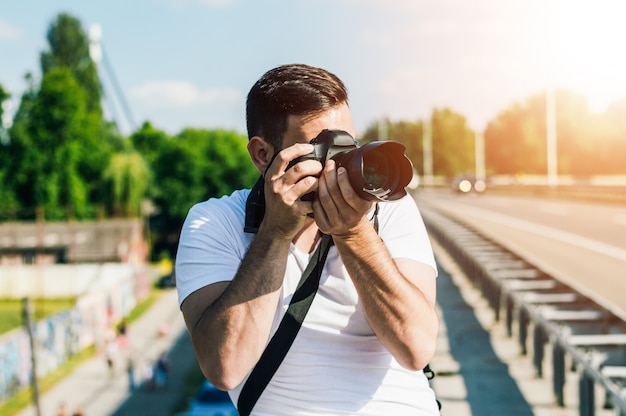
(583, 244)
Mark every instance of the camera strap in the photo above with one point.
(288, 328)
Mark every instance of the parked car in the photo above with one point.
(210, 401)
(169, 280)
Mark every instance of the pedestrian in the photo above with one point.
(372, 325)
(161, 369)
(148, 376)
(78, 411)
(122, 328)
(122, 335)
(130, 370)
(62, 409)
(110, 353)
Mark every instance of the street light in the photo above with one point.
(553, 175)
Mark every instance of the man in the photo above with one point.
(372, 326)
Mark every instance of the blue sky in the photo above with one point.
(190, 63)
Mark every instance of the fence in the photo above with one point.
(575, 327)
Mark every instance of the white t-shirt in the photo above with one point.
(336, 365)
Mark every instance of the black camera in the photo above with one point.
(378, 171)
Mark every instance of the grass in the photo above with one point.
(24, 397)
(12, 311)
(144, 305)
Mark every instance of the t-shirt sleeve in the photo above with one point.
(210, 249)
(403, 231)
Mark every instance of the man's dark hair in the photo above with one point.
(294, 89)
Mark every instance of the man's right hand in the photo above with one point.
(285, 212)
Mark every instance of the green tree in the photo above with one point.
(51, 153)
(4, 96)
(8, 200)
(515, 142)
(128, 176)
(453, 143)
(189, 168)
(14, 156)
(69, 48)
(406, 132)
(149, 141)
(614, 129)
(60, 144)
(204, 163)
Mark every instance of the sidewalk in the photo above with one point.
(99, 393)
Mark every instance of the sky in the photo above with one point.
(190, 63)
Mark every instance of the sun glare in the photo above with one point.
(585, 44)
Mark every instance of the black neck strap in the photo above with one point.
(287, 330)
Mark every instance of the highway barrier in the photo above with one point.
(583, 336)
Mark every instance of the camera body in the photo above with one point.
(327, 144)
(378, 171)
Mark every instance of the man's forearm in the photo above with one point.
(231, 334)
(399, 312)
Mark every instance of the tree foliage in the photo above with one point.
(587, 143)
(69, 48)
(190, 167)
(8, 201)
(128, 176)
(59, 144)
(452, 141)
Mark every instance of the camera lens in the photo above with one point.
(378, 171)
(375, 169)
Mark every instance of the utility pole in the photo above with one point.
(427, 146)
(479, 149)
(551, 137)
(28, 320)
(383, 131)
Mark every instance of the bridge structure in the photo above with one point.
(571, 340)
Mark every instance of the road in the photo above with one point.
(582, 244)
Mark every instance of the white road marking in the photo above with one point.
(552, 233)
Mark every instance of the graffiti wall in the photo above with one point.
(60, 336)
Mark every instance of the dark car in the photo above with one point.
(167, 281)
(209, 401)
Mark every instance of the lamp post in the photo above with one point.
(551, 137)
(479, 154)
(427, 146)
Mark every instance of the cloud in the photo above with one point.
(183, 94)
(204, 3)
(8, 31)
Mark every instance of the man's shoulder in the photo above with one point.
(233, 203)
(224, 213)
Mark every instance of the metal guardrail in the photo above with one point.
(574, 326)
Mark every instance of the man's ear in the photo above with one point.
(261, 153)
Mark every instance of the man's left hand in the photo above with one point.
(338, 209)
